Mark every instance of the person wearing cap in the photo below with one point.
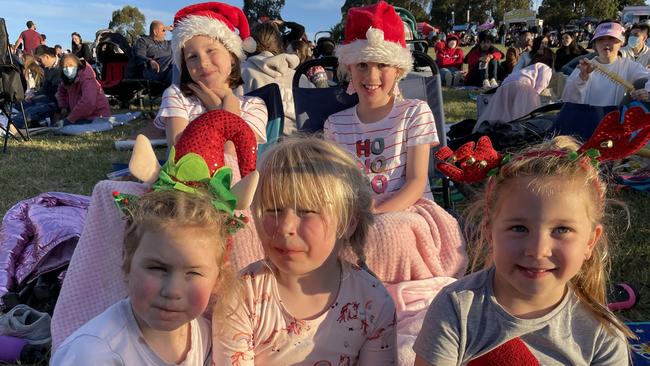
(208, 44)
(450, 60)
(584, 86)
(636, 48)
(483, 63)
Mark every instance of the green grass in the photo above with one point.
(75, 164)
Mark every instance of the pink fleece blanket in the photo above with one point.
(412, 299)
(419, 243)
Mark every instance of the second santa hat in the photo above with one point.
(216, 20)
(375, 33)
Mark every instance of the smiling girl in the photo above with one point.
(208, 52)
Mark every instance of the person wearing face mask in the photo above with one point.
(569, 50)
(80, 97)
(584, 86)
(636, 49)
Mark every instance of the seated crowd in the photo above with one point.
(344, 223)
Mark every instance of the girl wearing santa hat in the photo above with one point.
(208, 51)
(413, 238)
(392, 137)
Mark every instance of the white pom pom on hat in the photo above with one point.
(375, 33)
(216, 20)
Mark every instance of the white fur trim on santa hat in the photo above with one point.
(374, 49)
(195, 25)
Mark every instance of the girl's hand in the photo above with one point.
(586, 68)
(640, 94)
(209, 98)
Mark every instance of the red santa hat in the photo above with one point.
(375, 33)
(216, 20)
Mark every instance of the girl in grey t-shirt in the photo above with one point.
(541, 297)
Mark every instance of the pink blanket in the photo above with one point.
(421, 242)
(412, 299)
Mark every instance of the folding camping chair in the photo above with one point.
(270, 94)
(12, 87)
(314, 105)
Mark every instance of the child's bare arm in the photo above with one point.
(174, 128)
(417, 175)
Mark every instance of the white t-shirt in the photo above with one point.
(114, 338)
(176, 104)
(599, 90)
(358, 329)
(381, 146)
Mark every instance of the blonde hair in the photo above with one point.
(539, 163)
(161, 210)
(311, 173)
(31, 68)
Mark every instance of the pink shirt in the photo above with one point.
(381, 146)
(358, 329)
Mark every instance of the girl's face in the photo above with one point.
(173, 273)
(373, 82)
(566, 40)
(540, 240)
(608, 47)
(298, 241)
(76, 39)
(208, 61)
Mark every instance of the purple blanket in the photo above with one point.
(38, 235)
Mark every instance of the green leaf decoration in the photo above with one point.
(219, 186)
(192, 168)
(593, 153)
(493, 172)
(573, 155)
(505, 160)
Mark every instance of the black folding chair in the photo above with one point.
(12, 88)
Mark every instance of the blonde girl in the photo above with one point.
(543, 243)
(303, 304)
(174, 261)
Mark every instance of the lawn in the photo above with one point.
(75, 164)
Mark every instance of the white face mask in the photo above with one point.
(633, 41)
(70, 72)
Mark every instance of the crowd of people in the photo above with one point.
(338, 217)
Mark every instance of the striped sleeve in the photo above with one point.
(172, 105)
(420, 125)
(254, 112)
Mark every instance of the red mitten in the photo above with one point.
(207, 134)
(512, 353)
(471, 162)
(614, 139)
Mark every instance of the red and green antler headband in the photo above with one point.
(197, 163)
(615, 137)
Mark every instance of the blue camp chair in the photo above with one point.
(314, 105)
(270, 94)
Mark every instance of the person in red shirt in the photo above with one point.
(29, 38)
(483, 62)
(449, 60)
